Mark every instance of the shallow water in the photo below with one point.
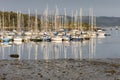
(105, 47)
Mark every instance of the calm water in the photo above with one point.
(108, 47)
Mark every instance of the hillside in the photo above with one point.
(104, 21)
(101, 21)
(108, 21)
(10, 20)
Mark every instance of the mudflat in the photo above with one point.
(60, 69)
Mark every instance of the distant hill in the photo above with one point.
(101, 21)
(11, 17)
(108, 21)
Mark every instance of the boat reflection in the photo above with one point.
(92, 48)
(51, 50)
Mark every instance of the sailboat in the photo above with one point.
(76, 34)
(92, 33)
(100, 34)
(4, 35)
(46, 36)
(35, 36)
(56, 37)
(66, 36)
(83, 33)
(17, 39)
(28, 33)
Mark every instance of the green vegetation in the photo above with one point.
(10, 20)
(13, 20)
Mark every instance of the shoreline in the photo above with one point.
(61, 69)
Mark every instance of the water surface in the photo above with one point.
(105, 47)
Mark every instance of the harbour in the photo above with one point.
(95, 48)
(59, 40)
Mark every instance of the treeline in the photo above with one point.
(17, 20)
(13, 20)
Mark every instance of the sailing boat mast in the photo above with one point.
(94, 21)
(22, 22)
(18, 21)
(36, 22)
(29, 26)
(46, 15)
(3, 24)
(72, 20)
(9, 21)
(13, 24)
(80, 19)
(91, 18)
(56, 14)
(65, 18)
(76, 20)
(0, 22)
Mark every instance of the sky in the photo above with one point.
(100, 7)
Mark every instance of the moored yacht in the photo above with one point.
(100, 34)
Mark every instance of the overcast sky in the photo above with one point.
(101, 7)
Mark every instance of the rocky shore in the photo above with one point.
(62, 69)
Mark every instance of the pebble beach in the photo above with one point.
(60, 69)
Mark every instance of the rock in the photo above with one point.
(14, 55)
(117, 77)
